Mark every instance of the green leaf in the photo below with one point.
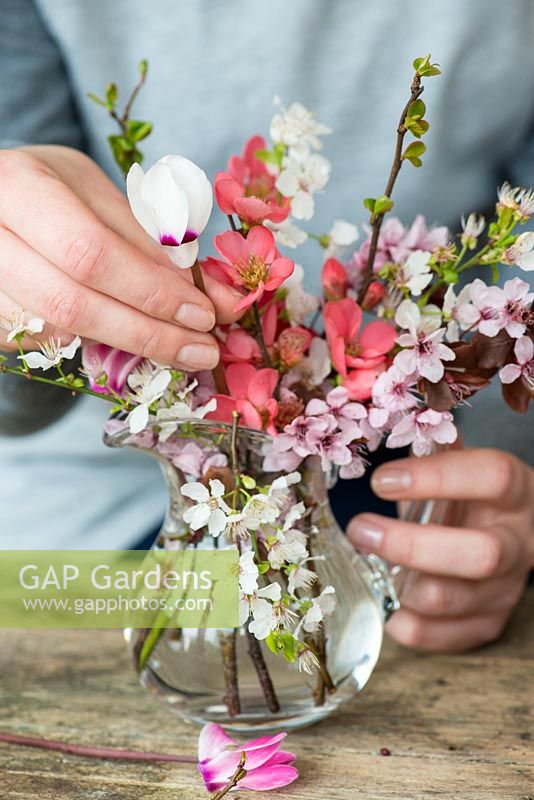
(111, 95)
(418, 127)
(263, 567)
(424, 68)
(416, 110)
(138, 129)
(143, 68)
(413, 153)
(369, 204)
(450, 274)
(97, 100)
(383, 204)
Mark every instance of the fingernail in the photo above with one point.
(196, 317)
(198, 356)
(391, 481)
(366, 534)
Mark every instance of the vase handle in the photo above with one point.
(392, 581)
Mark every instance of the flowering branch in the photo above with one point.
(411, 119)
(259, 336)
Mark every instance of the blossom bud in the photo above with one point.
(375, 293)
(334, 279)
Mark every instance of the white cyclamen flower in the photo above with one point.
(299, 180)
(17, 326)
(209, 509)
(147, 384)
(51, 354)
(172, 201)
(296, 128)
(521, 252)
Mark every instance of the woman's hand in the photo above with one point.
(72, 253)
(474, 568)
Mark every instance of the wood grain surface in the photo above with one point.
(458, 727)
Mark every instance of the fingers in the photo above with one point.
(438, 597)
(58, 299)
(445, 636)
(59, 226)
(441, 550)
(158, 289)
(481, 474)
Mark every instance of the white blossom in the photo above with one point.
(472, 227)
(321, 608)
(147, 384)
(456, 312)
(341, 236)
(299, 304)
(521, 252)
(415, 274)
(51, 354)
(210, 508)
(16, 325)
(300, 180)
(287, 547)
(287, 233)
(296, 128)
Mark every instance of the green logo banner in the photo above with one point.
(119, 588)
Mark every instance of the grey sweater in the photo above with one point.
(215, 67)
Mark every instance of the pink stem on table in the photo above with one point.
(93, 752)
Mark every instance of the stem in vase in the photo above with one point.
(259, 335)
(256, 656)
(228, 650)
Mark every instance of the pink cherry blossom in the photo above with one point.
(253, 264)
(248, 188)
(516, 307)
(423, 355)
(349, 347)
(251, 394)
(333, 448)
(393, 390)
(100, 360)
(267, 767)
(485, 311)
(337, 404)
(524, 368)
(396, 243)
(421, 429)
(301, 435)
(334, 279)
(190, 457)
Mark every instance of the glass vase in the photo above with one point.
(188, 668)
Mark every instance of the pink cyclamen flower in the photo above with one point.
(421, 429)
(101, 360)
(334, 279)
(248, 188)
(251, 394)
(267, 767)
(424, 355)
(524, 368)
(349, 348)
(253, 264)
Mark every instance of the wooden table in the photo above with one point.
(458, 727)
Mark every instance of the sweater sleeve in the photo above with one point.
(36, 107)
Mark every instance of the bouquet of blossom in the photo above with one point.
(397, 341)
